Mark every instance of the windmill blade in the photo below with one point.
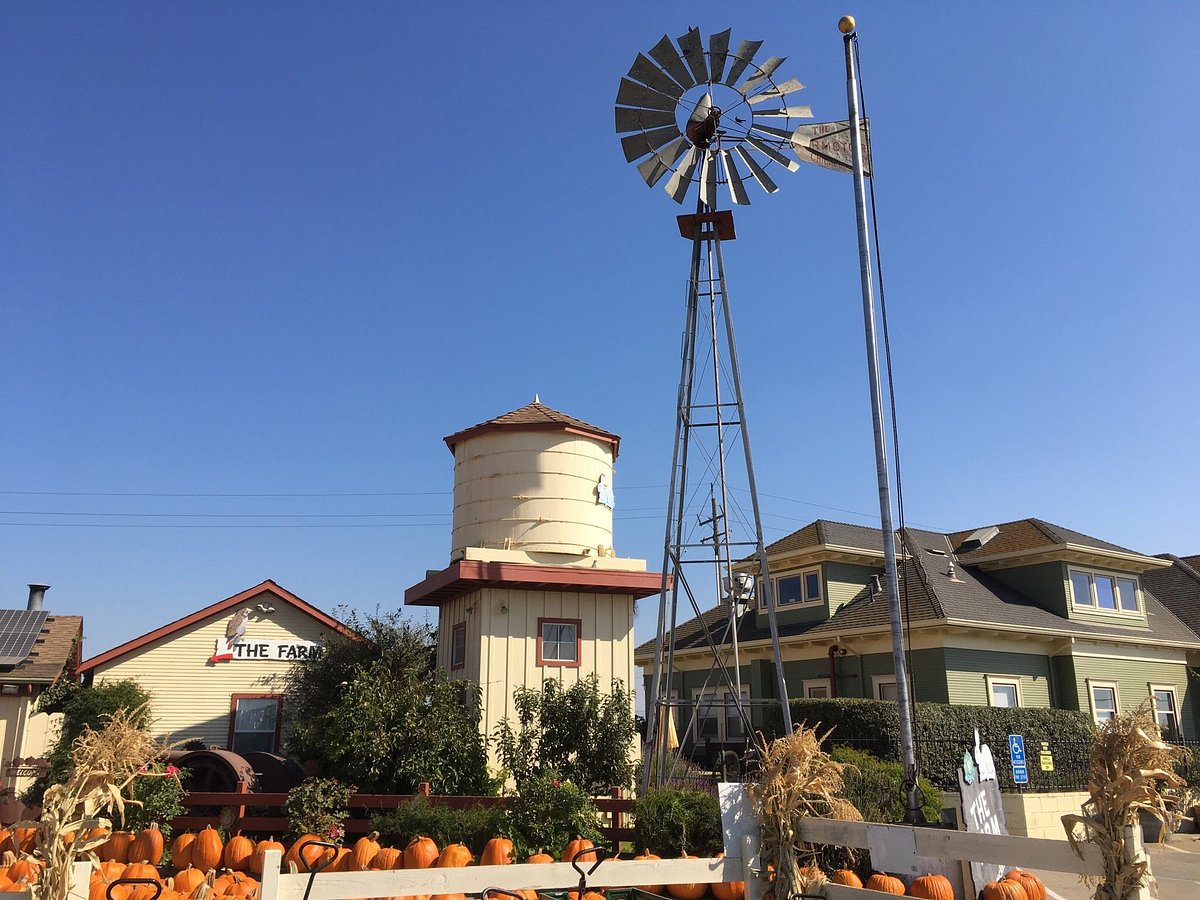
(771, 153)
(653, 168)
(693, 52)
(776, 132)
(642, 119)
(678, 184)
(741, 59)
(776, 91)
(665, 55)
(718, 49)
(630, 93)
(649, 74)
(737, 190)
(791, 112)
(763, 179)
(708, 179)
(764, 72)
(638, 145)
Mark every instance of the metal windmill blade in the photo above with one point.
(696, 112)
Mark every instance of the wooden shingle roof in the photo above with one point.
(536, 416)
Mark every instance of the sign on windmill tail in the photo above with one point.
(715, 116)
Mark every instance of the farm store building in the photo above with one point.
(217, 675)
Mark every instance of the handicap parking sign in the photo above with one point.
(1016, 750)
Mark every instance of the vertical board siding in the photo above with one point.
(966, 670)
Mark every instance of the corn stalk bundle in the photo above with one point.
(104, 765)
(1129, 762)
(796, 779)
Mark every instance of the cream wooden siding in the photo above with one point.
(502, 632)
(191, 696)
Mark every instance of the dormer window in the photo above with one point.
(1104, 593)
(800, 588)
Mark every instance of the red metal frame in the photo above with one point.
(460, 628)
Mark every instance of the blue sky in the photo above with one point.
(256, 260)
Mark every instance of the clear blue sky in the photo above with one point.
(258, 259)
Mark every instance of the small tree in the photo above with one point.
(580, 733)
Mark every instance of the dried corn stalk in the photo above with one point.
(796, 779)
(104, 765)
(1128, 761)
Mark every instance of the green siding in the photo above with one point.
(928, 674)
(966, 670)
(1062, 674)
(843, 581)
(1132, 678)
(1045, 584)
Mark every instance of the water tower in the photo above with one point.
(534, 588)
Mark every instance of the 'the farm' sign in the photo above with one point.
(279, 651)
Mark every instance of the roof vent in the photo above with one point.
(37, 594)
(978, 538)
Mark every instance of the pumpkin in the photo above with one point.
(388, 858)
(116, 847)
(575, 849)
(931, 887)
(181, 849)
(142, 869)
(497, 852)
(1032, 884)
(99, 885)
(847, 877)
(188, 880)
(259, 860)
(1004, 889)
(455, 855)
(421, 853)
(448, 897)
(207, 849)
(687, 891)
(25, 838)
(25, 868)
(147, 845)
(888, 884)
(540, 858)
(109, 870)
(308, 858)
(728, 890)
(361, 854)
(650, 888)
(237, 853)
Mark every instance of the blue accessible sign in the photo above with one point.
(1016, 754)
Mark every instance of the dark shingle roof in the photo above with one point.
(822, 531)
(54, 647)
(1029, 534)
(1178, 588)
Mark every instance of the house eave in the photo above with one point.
(1072, 553)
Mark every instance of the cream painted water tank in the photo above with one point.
(533, 480)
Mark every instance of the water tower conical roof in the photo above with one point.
(536, 416)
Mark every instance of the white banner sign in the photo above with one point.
(828, 144)
(276, 651)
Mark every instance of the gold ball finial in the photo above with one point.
(846, 24)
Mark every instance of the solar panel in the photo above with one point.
(19, 628)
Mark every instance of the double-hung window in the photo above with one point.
(1165, 711)
(717, 716)
(1104, 700)
(254, 721)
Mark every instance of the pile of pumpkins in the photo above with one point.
(1016, 884)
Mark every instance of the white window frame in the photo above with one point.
(992, 680)
(720, 703)
(809, 683)
(1092, 684)
(1093, 604)
(804, 600)
(1170, 689)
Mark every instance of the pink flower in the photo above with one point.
(556, 784)
(172, 770)
(336, 832)
(143, 769)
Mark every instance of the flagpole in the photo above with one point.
(912, 812)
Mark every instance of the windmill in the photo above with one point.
(706, 115)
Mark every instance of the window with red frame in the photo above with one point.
(254, 721)
(458, 646)
(558, 642)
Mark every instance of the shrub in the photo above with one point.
(548, 811)
(876, 787)
(319, 806)
(159, 793)
(670, 820)
(472, 825)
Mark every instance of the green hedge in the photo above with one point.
(943, 732)
(670, 820)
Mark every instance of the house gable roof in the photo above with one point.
(53, 648)
(536, 416)
(1178, 588)
(267, 587)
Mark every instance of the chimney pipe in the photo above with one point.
(37, 593)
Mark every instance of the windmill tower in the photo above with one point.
(707, 115)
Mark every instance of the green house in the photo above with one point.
(1020, 614)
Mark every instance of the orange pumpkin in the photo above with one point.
(687, 891)
(448, 897)
(650, 888)
(728, 890)
(1032, 884)
(26, 868)
(181, 849)
(455, 855)
(259, 860)
(99, 885)
(931, 887)
(888, 884)
(147, 845)
(361, 854)
(207, 849)
(388, 858)
(421, 853)
(25, 838)
(237, 853)
(847, 877)
(575, 850)
(188, 880)
(497, 852)
(116, 848)
(142, 870)
(109, 870)
(1004, 889)
(540, 858)
(308, 858)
